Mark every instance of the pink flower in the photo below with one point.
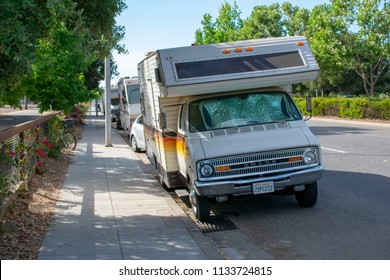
(39, 151)
(50, 145)
(5, 149)
(45, 141)
(30, 135)
(12, 153)
(42, 155)
(39, 163)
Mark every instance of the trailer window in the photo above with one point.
(115, 101)
(242, 64)
(241, 110)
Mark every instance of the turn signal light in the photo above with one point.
(222, 168)
(292, 159)
(300, 44)
(226, 51)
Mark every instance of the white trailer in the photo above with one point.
(129, 103)
(219, 119)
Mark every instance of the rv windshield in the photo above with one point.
(133, 94)
(241, 110)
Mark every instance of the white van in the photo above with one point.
(129, 103)
(220, 120)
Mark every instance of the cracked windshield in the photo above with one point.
(241, 110)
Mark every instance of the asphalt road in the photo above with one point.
(10, 118)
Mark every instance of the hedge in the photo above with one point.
(351, 108)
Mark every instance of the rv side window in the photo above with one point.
(241, 110)
(135, 96)
(242, 64)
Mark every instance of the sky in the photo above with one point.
(157, 24)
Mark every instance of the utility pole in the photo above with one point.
(107, 77)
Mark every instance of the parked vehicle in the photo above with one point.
(114, 104)
(137, 137)
(219, 119)
(129, 103)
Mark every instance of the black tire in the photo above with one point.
(134, 146)
(200, 206)
(70, 140)
(308, 197)
(118, 123)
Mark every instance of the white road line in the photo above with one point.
(334, 150)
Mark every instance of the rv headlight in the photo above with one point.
(206, 169)
(309, 157)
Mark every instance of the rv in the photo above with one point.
(114, 104)
(129, 103)
(220, 120)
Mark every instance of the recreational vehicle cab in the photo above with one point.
(129, 103)
(219, 119)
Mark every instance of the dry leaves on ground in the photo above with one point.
(28, 217)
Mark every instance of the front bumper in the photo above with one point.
(244, 186)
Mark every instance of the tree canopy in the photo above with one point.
(349, 38)
(51, 50)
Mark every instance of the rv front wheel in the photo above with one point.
(200, 205)
(307, 197)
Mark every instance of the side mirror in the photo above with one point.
(309, 108)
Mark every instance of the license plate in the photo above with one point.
(263, 187)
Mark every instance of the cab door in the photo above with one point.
(181, 142)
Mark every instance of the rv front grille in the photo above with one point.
(258, 164)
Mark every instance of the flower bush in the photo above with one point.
(78, 113)
(29, 155)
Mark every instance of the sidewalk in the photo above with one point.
(109, 209)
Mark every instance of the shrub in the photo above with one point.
(353, 108)
(326, 107)
(378, 109)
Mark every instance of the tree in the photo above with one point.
(347, 37)
(351, 35)
(100, 20)
(62, 56)
(225, 28)
(206, 35)
(264, 22)
(369, 47)
(21, 23)
(326, 31)
(43, 49)
(295, 19)
(95, 73)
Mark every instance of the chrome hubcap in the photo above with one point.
(193, 200)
